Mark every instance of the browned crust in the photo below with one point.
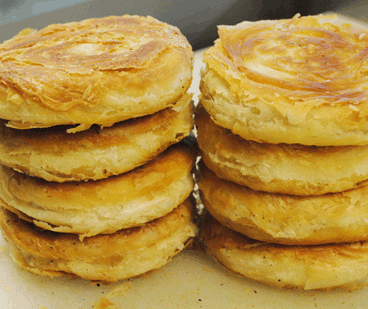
(299, 80)
(301, 267)
(53, 245)
(83, 71)
(55, 155)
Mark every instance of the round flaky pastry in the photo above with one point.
(301, 267)
(103, 206)
(109, 258)
(55, 155)
(286, 219)
(283, 168)
(300, 80)
(97, 71)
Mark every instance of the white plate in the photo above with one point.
(190, 280)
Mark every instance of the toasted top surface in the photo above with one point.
(306, 59)
(305, 74)
(93, 67)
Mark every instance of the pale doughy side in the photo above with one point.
(105, 206)
(298, 80)
(286, 219)
(300, 267)
(109, 258)
(54, 155)
(282, 168)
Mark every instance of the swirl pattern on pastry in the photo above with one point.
(304, 74)
(94, 71)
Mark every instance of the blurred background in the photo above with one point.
(197, 19)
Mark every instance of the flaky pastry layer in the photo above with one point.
(282, 168)
(109, 258)
(321, 267)
(97, 71)
(300, 80)
(55, 155)
(286, 219)
(104, 206)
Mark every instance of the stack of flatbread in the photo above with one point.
(95, 181)
(283, 132)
